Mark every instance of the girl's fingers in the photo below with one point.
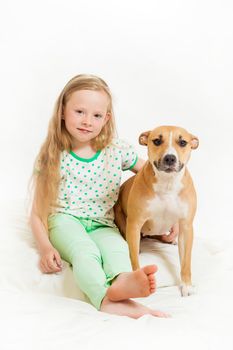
(57, 259)
(47, 266)
(50, 264)
(43, 268)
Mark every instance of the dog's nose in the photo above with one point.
(169, 159)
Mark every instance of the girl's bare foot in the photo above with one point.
(128, 308)
(135, 284)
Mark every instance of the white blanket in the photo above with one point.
(41, 311)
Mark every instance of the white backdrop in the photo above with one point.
(166, 62)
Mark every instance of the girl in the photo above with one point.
(77, 178)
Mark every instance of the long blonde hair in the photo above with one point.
(46, 174)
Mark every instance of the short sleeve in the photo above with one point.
(128, 154)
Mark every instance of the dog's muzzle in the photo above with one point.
(169, 164)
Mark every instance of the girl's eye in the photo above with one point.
(79, 111)
(98, 115)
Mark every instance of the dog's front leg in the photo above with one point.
(133, 235)
(185, 242)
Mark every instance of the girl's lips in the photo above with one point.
(83, 130)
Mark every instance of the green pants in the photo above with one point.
(97, 253)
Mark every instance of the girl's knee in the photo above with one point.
(121, 244)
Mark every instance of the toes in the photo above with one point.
(150, 269)
(151, 277)
(152, 284)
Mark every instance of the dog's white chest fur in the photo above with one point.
(166, 208)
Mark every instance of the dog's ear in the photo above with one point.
(194, 142)
(143, 138)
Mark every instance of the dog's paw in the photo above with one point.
(186, 289)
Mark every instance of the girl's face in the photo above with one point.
(85, 114)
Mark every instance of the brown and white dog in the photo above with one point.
(160, 195)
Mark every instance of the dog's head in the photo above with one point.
(169, 147)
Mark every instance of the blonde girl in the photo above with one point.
(77, 176)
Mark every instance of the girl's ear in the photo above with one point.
(143, 138)
(107, 117)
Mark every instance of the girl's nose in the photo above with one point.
(86, 119)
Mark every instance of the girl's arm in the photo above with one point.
(138, 165)
(50, 259)
(39, 232)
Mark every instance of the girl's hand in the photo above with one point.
(50, 261)
(168, 238)
(171, 237)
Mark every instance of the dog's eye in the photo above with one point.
(157, 142)
(182, 143)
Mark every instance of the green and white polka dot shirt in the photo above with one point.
(89, 188)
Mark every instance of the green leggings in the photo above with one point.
(97, 253)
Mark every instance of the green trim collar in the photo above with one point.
(86, 160)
